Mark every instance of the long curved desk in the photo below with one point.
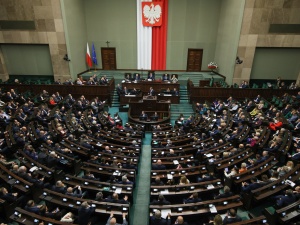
(149, 104)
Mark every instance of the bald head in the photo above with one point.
(180, 220)
(112, 221)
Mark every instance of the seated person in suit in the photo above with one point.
(296, 155)
(160, 201)
(158, 165)
(192, 199)
(231, 217)
(75, 192)
(59, 187)
(226, 193)
(134, 92)
(115, 199)
(168, 91)
(9, 197)
(143, 116)
(127, 77)
(154, 117)
(246, 188)
(125, 180)
(112, 220)
(165, 77)
(180, 220)
(156, 219)
(285, 200)
(151, 76)
(32, 207)
(157, 182)
(174, 79)
(175, 92)
(136, 77)
(85, 213)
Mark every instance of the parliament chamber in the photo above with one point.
(77, 143)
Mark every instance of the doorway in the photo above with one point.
(194, 60)
(108, 56)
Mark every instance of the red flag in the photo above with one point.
(152, 13)
(88, 56)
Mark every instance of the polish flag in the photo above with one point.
(88, 56)
(152, 24)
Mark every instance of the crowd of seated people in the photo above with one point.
(250, 124)
(39, 131)
(65, 122)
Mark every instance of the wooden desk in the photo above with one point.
(89, 91)
(73, 203)
(28, 218)
(149, 104)
(126, 99)
(144, 86)
(201, 207)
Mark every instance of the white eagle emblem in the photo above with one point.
(152, 13)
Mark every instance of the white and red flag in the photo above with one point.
(88, 56)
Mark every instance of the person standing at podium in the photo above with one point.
(151, 92)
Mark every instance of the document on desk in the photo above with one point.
(116, 173)
(169, 176)
(118, 190)
(175, 162)
(289, 182)
(210, 186)
(33, 169)
(164, 213)
(209, 155)
(213, 209)
(163, 192)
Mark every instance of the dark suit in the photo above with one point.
(9, 197)
(251, 187)
(33, 209)
(161, 221)
(59, 189)
(157, 202)
(228, 220)
(84, 215)
(286, 200)
(192, 200)
(224, 195)
(296, 156)
(158, 167)
(151, 92)
(52, 162)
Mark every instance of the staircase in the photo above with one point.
(184, 107)
(115, 99)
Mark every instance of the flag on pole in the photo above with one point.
(88, 56)
(94, 57)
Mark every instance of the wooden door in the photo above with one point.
(108, 56)
(194, 59)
